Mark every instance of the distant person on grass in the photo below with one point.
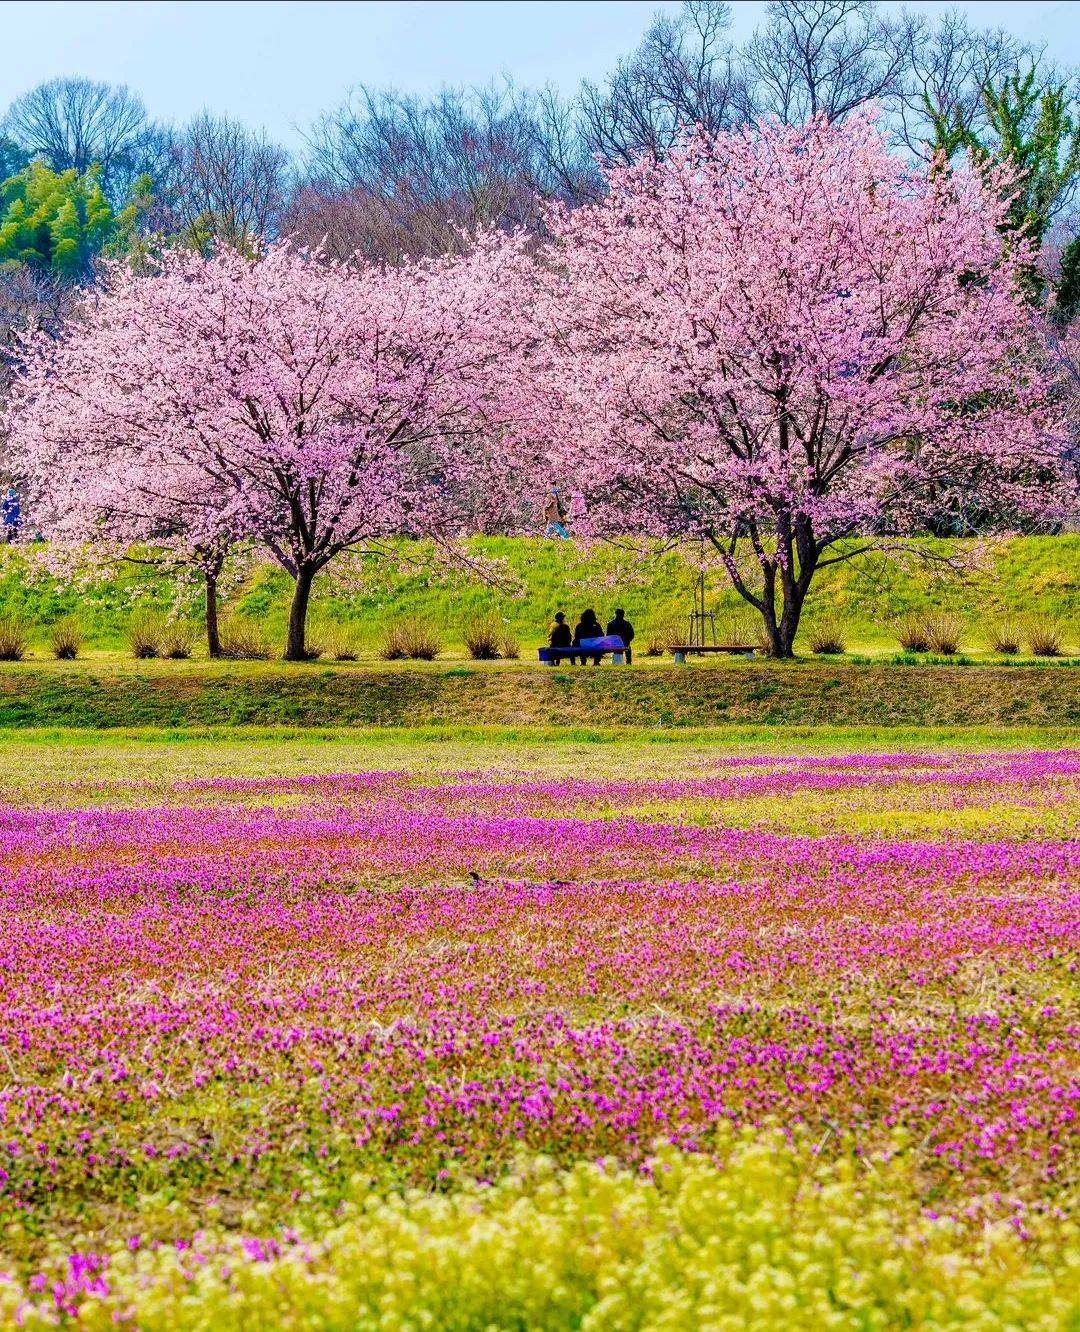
(561, 635)
(11, 513)
(588, 627)
(555, 516)
(620, 627)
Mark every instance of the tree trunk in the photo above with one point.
(213, 637)
(296, 647)
(779, 585)
(781, 631)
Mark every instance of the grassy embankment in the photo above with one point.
(811, 693)
(1009, 578)
(872, 686)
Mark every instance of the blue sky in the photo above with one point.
(277, 64)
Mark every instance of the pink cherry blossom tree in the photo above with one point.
(1065, 362)
(792, 344)
(111, 501)
(313, 407)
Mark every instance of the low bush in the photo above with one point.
(410, 638)
(510, 647)
(1045, 636)
(244, 640)
(144, 632)
(1005, 636)
(67, 638)
(177, 640)
(773, 1237)
(659, 636)
(339, 642)
(744, 629)
(943, 633)
(828, 638)
(912, 632)
(14, 638)
(483, 634)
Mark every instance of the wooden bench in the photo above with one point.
(681, 651)
(553, 655)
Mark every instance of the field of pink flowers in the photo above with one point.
(231, 1005)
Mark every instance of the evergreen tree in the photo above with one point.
(1032, 129)
(1067, 305)
(56, 222)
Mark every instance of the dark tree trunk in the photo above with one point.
(781, 632)
(783, 591)
(213, 636)
(296, 647)
(781, 629)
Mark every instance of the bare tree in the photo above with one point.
(391, 175)
(814, 57)
(566, 160)
(950, 66)
(78, 123)
(223, 183)
(684, 73)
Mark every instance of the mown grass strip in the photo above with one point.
(766, 694)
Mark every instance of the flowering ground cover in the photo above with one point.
(693, 1037)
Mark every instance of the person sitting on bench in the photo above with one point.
(588, 627)
(561, 635)
(620, 627)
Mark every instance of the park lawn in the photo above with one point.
(716, 1017)
(1005, 578)
(107, 762)
(701, 693)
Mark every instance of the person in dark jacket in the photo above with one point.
(561, 635)
(11, 514)
(588, 627)
(620, 627)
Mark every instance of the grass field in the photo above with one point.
(480, 996)
(534, 1027)
(661, 696)
(1010, 578)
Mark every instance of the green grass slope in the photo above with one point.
(1011, 577)
(807, 693)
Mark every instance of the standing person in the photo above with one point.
(11, 513)
(555, 516)
(588, 627)
(620, 627)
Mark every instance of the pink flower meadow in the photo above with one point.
(257, 989)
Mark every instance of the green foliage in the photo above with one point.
(1036, 134)
(1030, 129)
(1067, 304)
(12, 158)
(57, 221)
